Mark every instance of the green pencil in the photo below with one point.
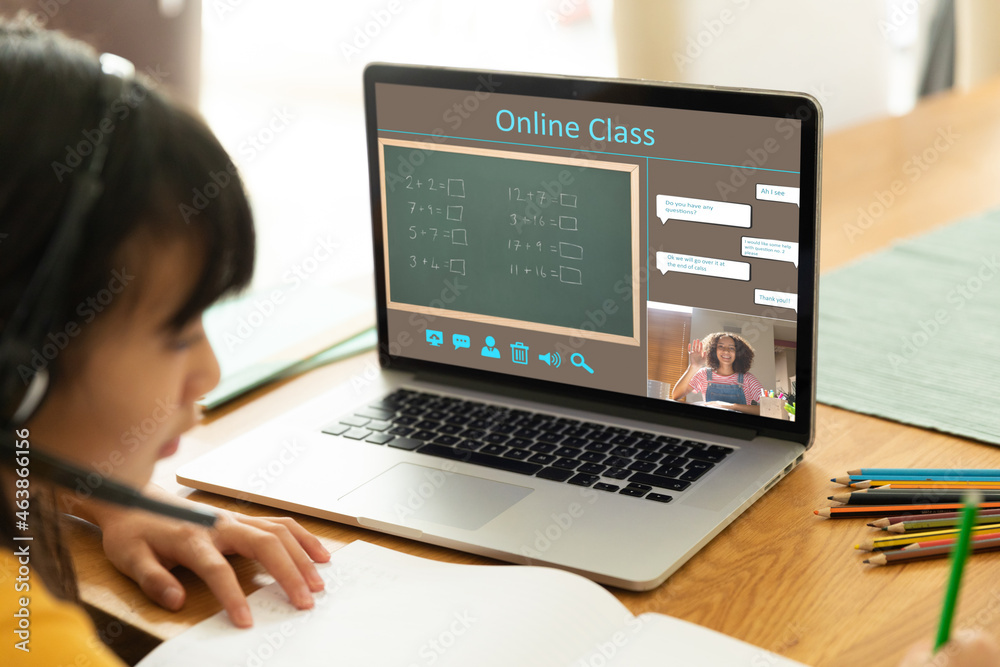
(959, 556)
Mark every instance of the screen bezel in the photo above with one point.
(774, 104)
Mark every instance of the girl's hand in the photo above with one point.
(966, 649)
(145, 547)
(697, 354)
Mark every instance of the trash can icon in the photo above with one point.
(519, 353)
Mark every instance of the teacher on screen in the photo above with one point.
(719, 367)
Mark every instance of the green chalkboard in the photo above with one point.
(526, 238)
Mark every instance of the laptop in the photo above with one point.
(547, 251)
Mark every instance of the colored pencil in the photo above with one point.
(960, 555)
(906, 497)
(965, 486)
(903, 555)
(976, 537)
(896, 541)
(959, 472)
(861, 511)
(938, 523)
(886, 479)
(921, 484)
(888, 521)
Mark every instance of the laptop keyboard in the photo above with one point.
(607, 458)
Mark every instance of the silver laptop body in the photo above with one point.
(657, 214)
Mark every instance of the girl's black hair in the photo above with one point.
(166, 177)
(165, 174)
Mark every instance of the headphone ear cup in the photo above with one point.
(20, 397)
(38, 389)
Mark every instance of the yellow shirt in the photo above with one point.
(37, 628)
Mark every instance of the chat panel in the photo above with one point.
(777, 193)
(669, 207)
(706, 266)
(724, 240)
(781, 251)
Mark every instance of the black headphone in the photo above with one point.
(23, 387)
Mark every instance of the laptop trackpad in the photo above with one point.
(408, 492)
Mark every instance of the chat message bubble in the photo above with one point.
(765, 297)
(782, 251)
(782, 193)
(702, 266)
(459, 341)
(702, 210)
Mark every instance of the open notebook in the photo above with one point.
(382, 607)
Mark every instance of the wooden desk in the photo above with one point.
(778, 577)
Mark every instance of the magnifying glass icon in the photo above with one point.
(577, 360)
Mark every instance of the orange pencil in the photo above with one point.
(922, 484)
(860, 511)
(950, 540)
(984, 486)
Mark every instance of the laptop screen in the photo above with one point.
(629, 238)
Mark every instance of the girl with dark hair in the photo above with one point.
(719, 367)
(106, 265)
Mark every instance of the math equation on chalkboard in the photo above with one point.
(519, 237)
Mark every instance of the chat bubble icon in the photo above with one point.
(781, 251)
(708, 211)
(766, 297)
(460, 341)
(702, 266)
(782, 193)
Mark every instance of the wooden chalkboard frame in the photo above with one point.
(633, 171)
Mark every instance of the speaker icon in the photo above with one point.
(552, 359)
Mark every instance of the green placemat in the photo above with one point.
(912, 333)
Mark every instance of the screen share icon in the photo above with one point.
(435, 338)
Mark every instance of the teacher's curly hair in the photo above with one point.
(744, 352)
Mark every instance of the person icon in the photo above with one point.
(489, 350)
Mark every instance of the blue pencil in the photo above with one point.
(911, 478)
(880, 473)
